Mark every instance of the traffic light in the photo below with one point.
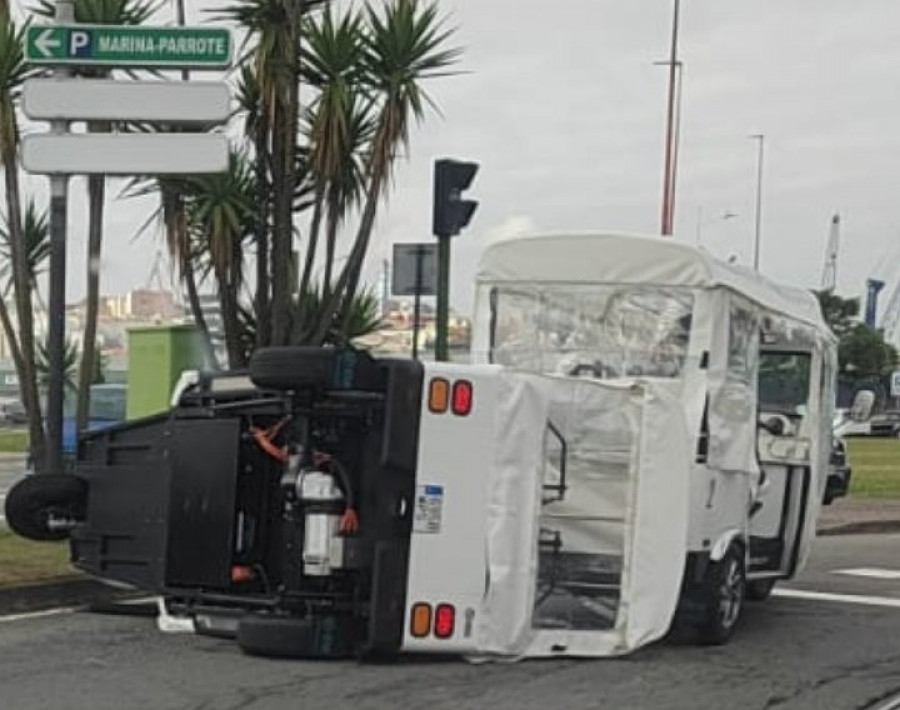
(451, 212)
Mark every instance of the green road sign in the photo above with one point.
(124, 46)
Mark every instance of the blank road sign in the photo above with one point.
(204, 102)
(129, 46)
(405, 258)
(125, 154)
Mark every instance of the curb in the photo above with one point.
(861, 527)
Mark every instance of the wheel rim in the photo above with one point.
(731, 595)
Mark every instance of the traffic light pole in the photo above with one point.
(417, 304)
(56, 302)
(443, 300)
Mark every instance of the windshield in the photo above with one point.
(783, 381)
(596, 331)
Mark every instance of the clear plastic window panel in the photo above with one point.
(594, 331)
(582, 523)
(743, 349)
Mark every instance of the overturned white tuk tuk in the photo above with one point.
(642, 433)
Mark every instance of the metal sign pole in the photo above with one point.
(56, 305)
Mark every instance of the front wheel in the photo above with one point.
(724, 593)
(44, 506)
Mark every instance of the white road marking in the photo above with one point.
(870, 572)
(892, 602)
(37, 614)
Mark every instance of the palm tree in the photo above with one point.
(36, 246)
(338, 124)
(221, 212)
(70, 365)
(404, 45)
(274, 30)
(333, 56)
(251, 105)
(97, 12)
(12, 73)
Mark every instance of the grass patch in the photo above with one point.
(876, 467)
(25, 562)
(13, 441)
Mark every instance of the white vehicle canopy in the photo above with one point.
(624, 345)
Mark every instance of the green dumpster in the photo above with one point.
(157, 355)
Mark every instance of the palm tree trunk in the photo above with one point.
(230, 322)
(345, 287)
(334, 218)
(313, 242)
(281, 227)
(287, 113)
(193, 294)
(22, 283)
(263, 283)
(10, 332)
(96, 198)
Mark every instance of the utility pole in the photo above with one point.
(669, 199)
(666, 229)
(56, 305)
(761, 139)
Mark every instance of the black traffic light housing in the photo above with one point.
(451, 212)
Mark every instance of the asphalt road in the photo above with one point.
(790, 653)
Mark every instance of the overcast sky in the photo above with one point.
(564, 110)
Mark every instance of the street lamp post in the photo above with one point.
(761, 139)
(666, 227)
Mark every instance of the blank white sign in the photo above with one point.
(204, 102)
(125, 154)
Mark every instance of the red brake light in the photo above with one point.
(462, 397)
(444, 620)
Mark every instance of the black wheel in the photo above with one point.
(724, 593)
(291, 368)
(38, 499)
(291, 637)
(758, 590)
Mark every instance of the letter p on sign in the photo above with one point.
(79, 43)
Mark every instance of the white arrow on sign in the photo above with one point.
(46, 44)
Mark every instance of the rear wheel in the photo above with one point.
(724, 593)
(293, 368)
(44, 506)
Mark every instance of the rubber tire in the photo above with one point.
(715, 629)
(275, 636)
(758, 590)
(33, 499)
(293, 368)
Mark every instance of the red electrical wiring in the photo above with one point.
(264, 437)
